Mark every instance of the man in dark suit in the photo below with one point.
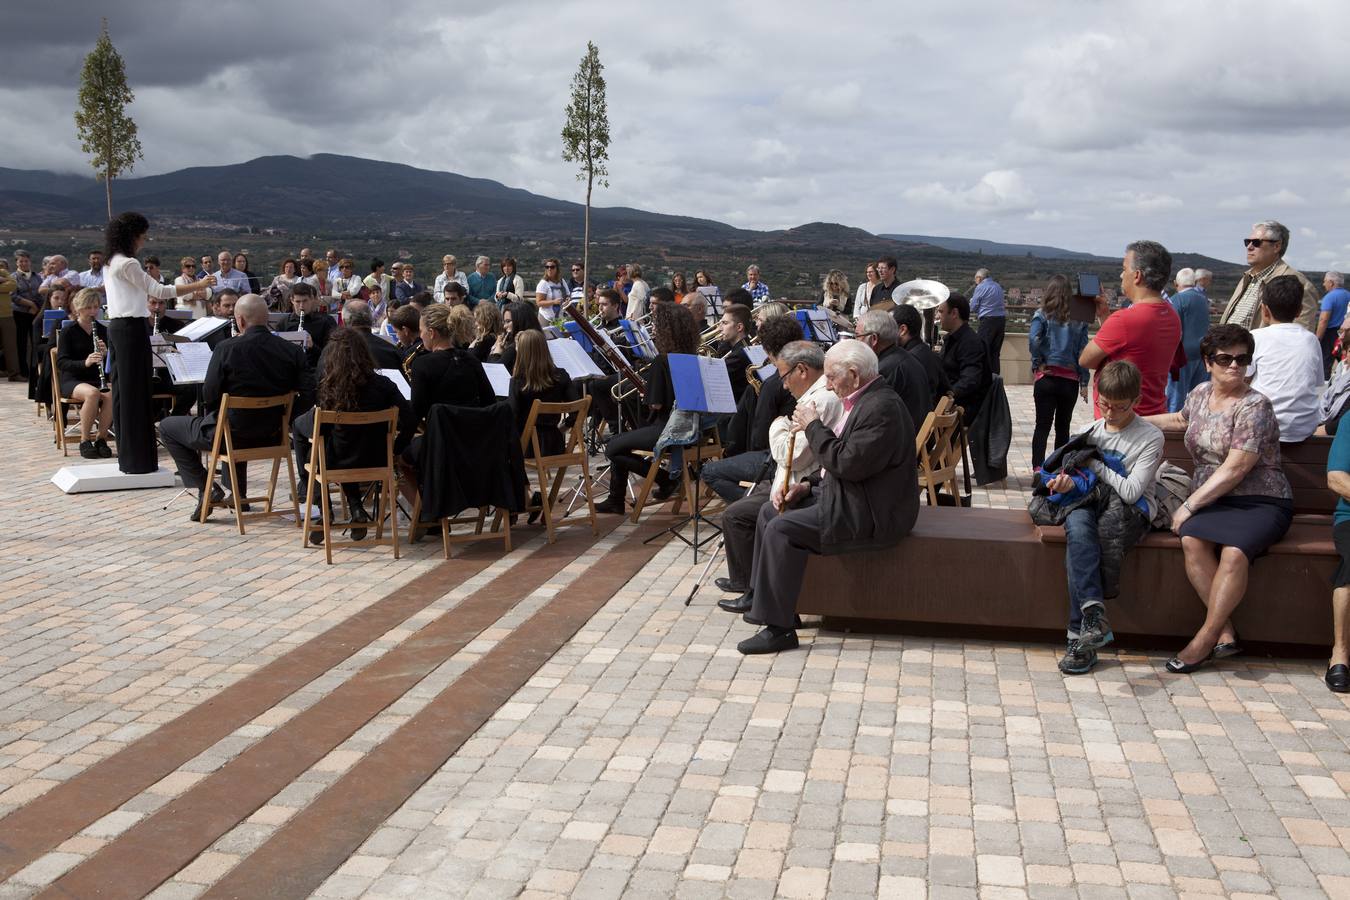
(318, 325)
(902, 372)
(910, 339)
(864, 498)
(733, 335)
(356, 315)
(965, 357)
(255, 364)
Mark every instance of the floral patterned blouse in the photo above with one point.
(1249, 425)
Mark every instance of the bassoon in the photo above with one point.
(614, 357)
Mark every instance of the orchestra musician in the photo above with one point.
(257, 363)
(863, 497)
(674, 331)
(357, 315)
(516, 318)
(733, 337)
(184, 395)
(306, 317)
(79, 361)
(487, 324)
(603, 405)
(407, 323)
(537, 378)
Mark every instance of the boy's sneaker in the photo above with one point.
(1077, 659)
(1095, 632)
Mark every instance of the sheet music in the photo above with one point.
(399, 381)
(757, 355)
(646, 342)
(568, 355)
(300, 338)
(200, 328)
(765, 371)
(701, 383)
(500, 378)
(821, 326)
(189, 364)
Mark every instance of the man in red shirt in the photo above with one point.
(1147, 333)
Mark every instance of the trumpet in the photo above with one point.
(102, 350)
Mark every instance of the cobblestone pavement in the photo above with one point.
(187, 712)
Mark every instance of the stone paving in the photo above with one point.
(645, 757)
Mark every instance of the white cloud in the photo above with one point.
(1143, 201)
(1240, 202)
(1000, 191)
(1284, 197)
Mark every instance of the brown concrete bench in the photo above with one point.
(994, 570)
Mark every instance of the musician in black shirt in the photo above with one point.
(356, 316)
(319, 326)
(516, 317)
(407, 322)
(184, 395)
(81, 351)
(910, 323)
(255, 364)
(734, 334)
(603, 405)
(674, 331)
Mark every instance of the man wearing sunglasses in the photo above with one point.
(1266, 246)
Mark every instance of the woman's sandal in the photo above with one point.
(1228, 648)
(1177, 667)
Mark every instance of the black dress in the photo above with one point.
(551, 441)
(72, 349)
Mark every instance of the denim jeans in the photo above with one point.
(1094, 570)
(724, 475)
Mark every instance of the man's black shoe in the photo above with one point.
(104, 451)
(1338, 678)
(726, 584)
(751, 620)
(665, 486)
(769, 640)
(88, 450)
(359, 531)
(605, 506)
(217, 495)
(739, 604)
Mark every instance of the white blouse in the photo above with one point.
(128, 286)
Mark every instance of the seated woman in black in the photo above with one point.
(351, 384)
(80, 353)
(443, 374)
(516, 319)
(39, 366)
(673, 331)
(536, 378)
(487, 319)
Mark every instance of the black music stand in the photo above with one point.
(695, 511)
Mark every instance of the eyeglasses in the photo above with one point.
(1257, 242)
(1107, 406)
(576, 268)
(550, 266)
(1226, 360)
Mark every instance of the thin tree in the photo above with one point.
(107, 134)
(586, 142)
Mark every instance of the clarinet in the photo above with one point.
(100, 347)
(154, 323)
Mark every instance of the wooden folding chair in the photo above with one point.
(321, 476)
(500, 530)
(709, 447)
(232, 454)
(574, 453)
(938, 450)
(60, 405)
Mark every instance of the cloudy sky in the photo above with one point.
(1078, 123)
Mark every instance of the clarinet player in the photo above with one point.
(129, 288)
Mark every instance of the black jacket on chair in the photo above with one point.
(470, 458)
(869, 497)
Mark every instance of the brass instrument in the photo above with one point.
(102, 350)
(752, 378)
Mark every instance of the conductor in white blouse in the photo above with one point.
(129, 288)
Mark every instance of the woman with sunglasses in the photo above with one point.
(1240, 502)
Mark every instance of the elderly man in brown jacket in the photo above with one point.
(1265, 260)
(865, 496)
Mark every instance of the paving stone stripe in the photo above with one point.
(152, 850)
(313, 844)
(72, 805)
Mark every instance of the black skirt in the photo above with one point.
(1252, 523)
(70, 382)
(1341, 536)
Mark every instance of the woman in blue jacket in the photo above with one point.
(1055, 343)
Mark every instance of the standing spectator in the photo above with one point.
(1147, 333)
(227, 276)
(759, 291)
(550, 294)
(27, 304)
(1055, 343)
(863, 298)
(348, 285)
(449, 272)
(283, 283)
(622, 283)
(1338, 479)
(1288, 361)
(679, 286)
(407, 286)
(204, 268)
(379, 286)
(241, 263)
(1240, 502)
(965, 357)
(577, 285)
(56, 272)
(92, 277)
(481, 283)
(1192, 308)
(1266, 247)
(986, 305)
(312, 274)
(886, 280)
(1331, 316)
(330, 257)
(510, 287)
(9, 334)
(638, 292)
(703, 283)
(834, 292)
(196, 300)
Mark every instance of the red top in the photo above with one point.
(1148, 335)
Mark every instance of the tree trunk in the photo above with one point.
(586, 252)
(107, 185)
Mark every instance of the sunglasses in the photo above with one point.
(1257, 242)
(550, 267)
(1226, 360)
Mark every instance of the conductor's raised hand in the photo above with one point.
(804, 415)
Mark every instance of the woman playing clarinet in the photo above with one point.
(81, 349)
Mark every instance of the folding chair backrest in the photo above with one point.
(574, 434)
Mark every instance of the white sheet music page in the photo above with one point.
(568, 355)
(200, 328)
(399, 381)
(499, 377)
(189, 364)
(716, 385)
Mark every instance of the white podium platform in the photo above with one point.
(106, 476)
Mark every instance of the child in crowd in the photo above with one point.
(1113, 517)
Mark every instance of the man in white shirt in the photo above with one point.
(449, 272)
(92, 277)
(227, 276)
(1288, 360)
